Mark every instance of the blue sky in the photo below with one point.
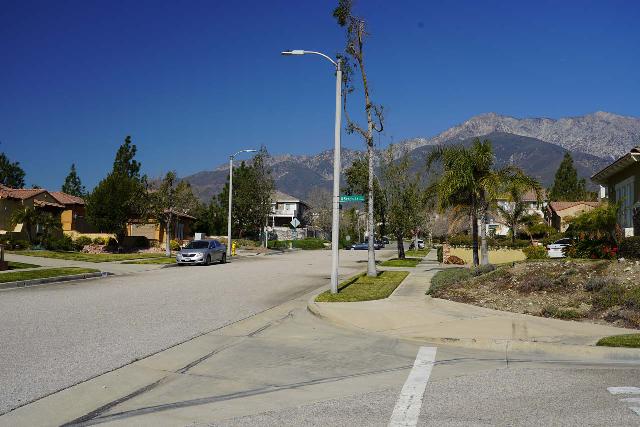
(194, 81)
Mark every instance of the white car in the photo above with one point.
(557, 248)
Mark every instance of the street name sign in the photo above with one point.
(352, 198)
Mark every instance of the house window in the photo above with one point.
(624, 195)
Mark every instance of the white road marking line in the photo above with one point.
(409, 402)
(635, 409)
(624, 390)
(631, 400)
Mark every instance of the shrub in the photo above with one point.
(100, 241)
(630, 247)
(309, 243)
(535, 284)
(535, 252)
(452, 259)
(632, 299)
(112, 243)
(440, 254)
(595, 284)
(461, 240)
(482, 269)
(609, 296)
(592, 249)
(560, 313)
(174, 245)
(19, 244)
(81, 242)
(245, 243)
(64, 243)
(448, 277)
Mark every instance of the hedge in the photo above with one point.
(630, 247)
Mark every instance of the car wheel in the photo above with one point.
(208, 260)
(223, 260)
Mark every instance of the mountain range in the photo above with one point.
(537, 145)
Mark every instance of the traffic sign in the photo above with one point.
(352, 198)
(295, 222)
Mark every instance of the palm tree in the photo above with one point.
(515, 213)
(468, 182)
(28, 217)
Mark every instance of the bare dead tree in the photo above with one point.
(353, 59)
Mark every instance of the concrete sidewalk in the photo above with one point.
(410, 314)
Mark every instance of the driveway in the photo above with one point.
(57, 335)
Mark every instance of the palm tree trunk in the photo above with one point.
(484, 249)
(474, 235)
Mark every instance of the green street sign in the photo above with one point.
(353, 198)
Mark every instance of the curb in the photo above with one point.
(47, 280)
(512, 349)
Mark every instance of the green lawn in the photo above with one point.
(363, 288)
(41, 274)
(407, 262)
(18, 265)
(163, 260)
(629, 340)
(417, 253)
(79, 256)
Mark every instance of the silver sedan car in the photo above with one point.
(202, 252)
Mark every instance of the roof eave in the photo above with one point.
(615, 167)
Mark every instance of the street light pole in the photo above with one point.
(335, 225)
(231, 196)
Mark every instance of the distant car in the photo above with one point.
(202, 252)
(363, 246)
(557, 249)
(385, 240)
(412, 245)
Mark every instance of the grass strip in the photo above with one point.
(628, 340)
(364, 288)
(79, 256)
(18, 265)
(407, 262)
(163, 260)
(42, 274)
(417, 253)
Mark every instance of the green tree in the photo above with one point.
(404, 197)
(120, 197)
(515, 212)
(211, 218)
(172, 198)
(11, 174)
(253, 187)
(125, 163)
(72, 184)
(353, 59)
(469, 184)
(357, 182)
(566, 185)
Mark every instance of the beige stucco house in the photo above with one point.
(557, 213)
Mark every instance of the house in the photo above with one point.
(497, 225)
(13, 199)
(620, 182)
(181, 228)
(73, 216)
(557, 213)
(284, 208)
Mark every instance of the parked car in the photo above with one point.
(385, 240)
(412, 245)
(558, 248)
(202, 252)
(363, 246)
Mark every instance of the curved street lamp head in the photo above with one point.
(244, 151)
(293, 52)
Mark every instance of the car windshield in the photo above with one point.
(197, 244)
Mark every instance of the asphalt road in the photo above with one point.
(57, 335)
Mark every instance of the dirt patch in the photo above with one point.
(606, 292)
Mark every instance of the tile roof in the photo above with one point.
(19, 193)
(559, 206)
(67, 199)
(42, 203)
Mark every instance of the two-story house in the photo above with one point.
(284, 208)
(620, 182)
